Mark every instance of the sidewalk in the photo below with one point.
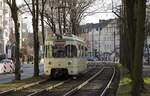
(27, 73)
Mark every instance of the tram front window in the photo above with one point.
(71, 51)
(58, 51)
(64, 51)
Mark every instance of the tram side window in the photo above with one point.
(71, 51)
(82, 51)
(49, 51)
(86, 51)
(45, 53)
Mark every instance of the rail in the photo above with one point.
(109, 83)
(83, 84)
(48, 88)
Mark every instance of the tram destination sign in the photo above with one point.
(59, 42)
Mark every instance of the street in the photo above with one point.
(27, 72)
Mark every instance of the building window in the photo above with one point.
(0, 30)
(0, 5)
(0, 21)
(97, 29)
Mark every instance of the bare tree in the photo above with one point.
(34, 9)
(50, 15)
(67, 14)
(147, 33)
(77, 10)
(42, 9)
(134, 32)
(140, 13)
(14, 14)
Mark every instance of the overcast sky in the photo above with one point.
(102, 10)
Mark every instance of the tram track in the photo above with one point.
(35, 89)
(43, 87)
(95, 85)
(66, 87)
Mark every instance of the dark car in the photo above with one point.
(92, 58)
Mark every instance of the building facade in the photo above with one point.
(5, 26)
(103, 37)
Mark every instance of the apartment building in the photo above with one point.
(103, 37)
(5, 26)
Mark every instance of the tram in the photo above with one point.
(65, 56)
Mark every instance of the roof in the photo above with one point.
(90, 26)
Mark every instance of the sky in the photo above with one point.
(96, 17)
(102, 10)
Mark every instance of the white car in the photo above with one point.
(6, 66)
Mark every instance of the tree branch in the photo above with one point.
(28, 6)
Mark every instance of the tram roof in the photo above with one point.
(67, 37)
(73, 37)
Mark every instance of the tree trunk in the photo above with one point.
(148, 55)
(35, 14)
(42, 20)
(42, 23)
(140, 10)
(131, 33)
(52, 21)
(36, 67)
(126, 37)
(59, 21)
(14, 14)
(64, 16)
(17, 50)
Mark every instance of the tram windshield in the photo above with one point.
(60, 51)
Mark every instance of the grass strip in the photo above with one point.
(125, 86)
(15, 84)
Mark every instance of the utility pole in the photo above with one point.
(99, 39)
(92, 43)
(114, 40)
(114, 43)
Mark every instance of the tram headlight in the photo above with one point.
(69, 63)
(49, 62)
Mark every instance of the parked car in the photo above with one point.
(6, 66)
(2, 56)
(92, 58)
